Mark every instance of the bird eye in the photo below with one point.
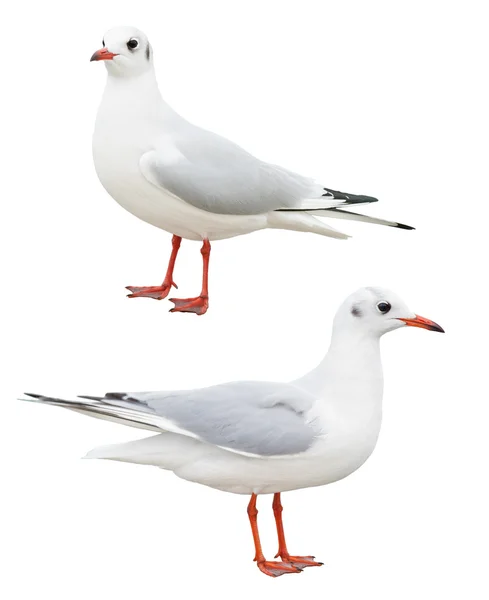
(103, 43)
(132, 44)
(383, 307)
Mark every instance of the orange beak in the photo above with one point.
(423, 323)
(102, 54)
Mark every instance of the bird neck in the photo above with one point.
(138, 95)
(351, 369)
(353, 355)
(358, 346)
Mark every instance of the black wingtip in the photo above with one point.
(348, 198)
(33, 395)
(402, 226)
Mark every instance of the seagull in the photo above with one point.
(191, 182)
(257, 437)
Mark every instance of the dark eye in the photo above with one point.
(383, 307)
(103, 43)
(132, 44)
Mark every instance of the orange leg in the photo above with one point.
(297, 561)
(269, 567)
(200, 304)
(158, 292)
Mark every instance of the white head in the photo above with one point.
(373, 311)
(126, 52)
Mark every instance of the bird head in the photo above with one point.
(375, 311)
(125, 51)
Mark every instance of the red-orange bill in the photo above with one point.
(102, 54)
(423, 323)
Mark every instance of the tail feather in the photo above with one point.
(331, 204)
(336, 213)
(303, 221)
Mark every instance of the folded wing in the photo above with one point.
(213, 174)
(252, 418)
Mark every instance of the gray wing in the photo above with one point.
(260, 418)
(213, 174)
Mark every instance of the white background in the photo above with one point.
(382, 98)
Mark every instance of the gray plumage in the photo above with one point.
(214, 174)
(259, 418)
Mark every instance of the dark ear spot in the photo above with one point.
(355, 311)
(147, 52)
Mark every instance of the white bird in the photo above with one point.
(251, 437)
(188, 181)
